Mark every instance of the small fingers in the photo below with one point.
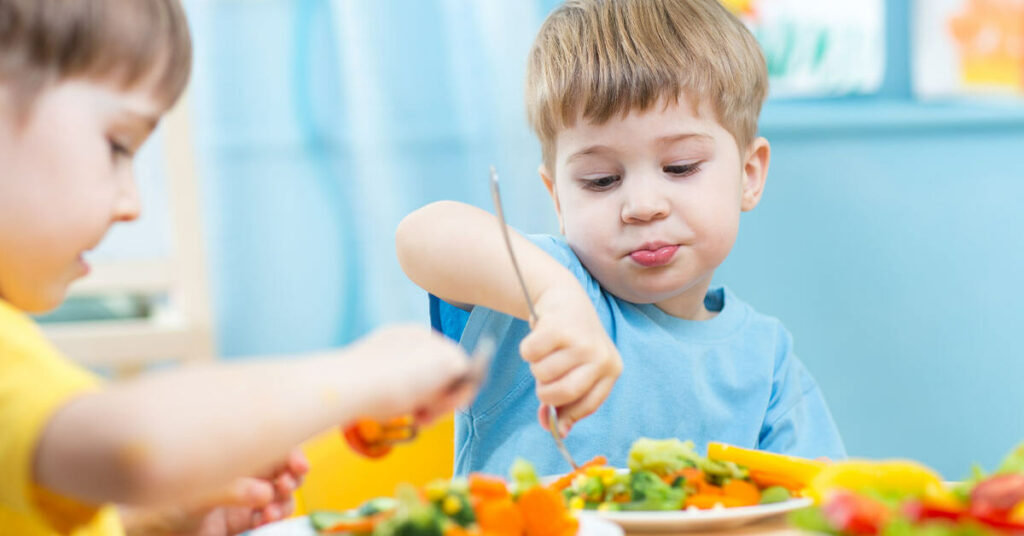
(553, 366)
(568, 389)
(297, 462)
(539, 343)
(571, 414)
(247, 492)
(284, 486)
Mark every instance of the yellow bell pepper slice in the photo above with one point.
(769, 468)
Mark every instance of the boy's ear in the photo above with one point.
(755, 172)
(549, 183)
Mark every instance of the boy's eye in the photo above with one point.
(682, 170)
(118, 150)
(602, 183)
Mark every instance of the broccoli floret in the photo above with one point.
(649, 492)
(719, 472)
(663, 456)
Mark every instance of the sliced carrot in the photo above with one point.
(692, 473)
(565, 480)
(499, 517)
(544, 512)
(487, 487)
(742, 492)
(767, 480)
(356, 436)
(454, 529)
(362, 525)
(571, 526)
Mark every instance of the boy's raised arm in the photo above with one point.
(182, 434)
(455, 251)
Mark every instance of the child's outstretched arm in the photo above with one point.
(189, 432)
(455, 251)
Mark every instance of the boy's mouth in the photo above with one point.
(651, 255)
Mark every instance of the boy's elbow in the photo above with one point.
(143, 472)
(416, 233)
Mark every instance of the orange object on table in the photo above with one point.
(375, 439)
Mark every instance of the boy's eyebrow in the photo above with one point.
(145, 120)
(699, 136)
(665, 140)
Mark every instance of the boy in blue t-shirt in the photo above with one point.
(646, 112)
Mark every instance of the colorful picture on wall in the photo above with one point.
(818, 49)
(964, 47)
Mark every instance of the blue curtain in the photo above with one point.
(321, 124)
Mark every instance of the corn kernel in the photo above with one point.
(451, 505)
(576, 503)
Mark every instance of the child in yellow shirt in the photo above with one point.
(82, 85)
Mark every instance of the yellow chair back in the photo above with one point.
(340, 479)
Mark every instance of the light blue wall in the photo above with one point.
(889, 240)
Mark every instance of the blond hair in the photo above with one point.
(593, 59)
(126, 42)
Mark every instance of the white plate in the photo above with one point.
(693, 520)
(590, 525)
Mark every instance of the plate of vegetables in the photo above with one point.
(670, 487)
(905, 498)
(475, 506)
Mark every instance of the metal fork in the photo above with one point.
(552, 411)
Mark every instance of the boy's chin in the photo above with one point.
(40, 302)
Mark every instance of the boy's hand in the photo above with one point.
(573, 361)
(244, 505)
(410, 370)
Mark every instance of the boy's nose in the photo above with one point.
(644, 202)
(128, 204)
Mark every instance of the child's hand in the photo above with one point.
(573, 361)
(410, 370)
(246, 504)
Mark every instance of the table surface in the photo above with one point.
(772, 527)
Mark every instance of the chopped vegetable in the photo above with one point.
(768, 468)
(663, 456)
(564, 481)
(499, 517)
(898, 498)
(775, 494)
(544, 513)
(487, 487)
(524, 476)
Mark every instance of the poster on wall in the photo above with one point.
(818, 49)
(968, 47)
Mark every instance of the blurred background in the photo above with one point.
(890, 240)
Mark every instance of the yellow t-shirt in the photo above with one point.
(35, 381)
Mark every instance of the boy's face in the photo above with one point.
(67, 177)
(650, 202)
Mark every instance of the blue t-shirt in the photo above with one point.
(733, 378)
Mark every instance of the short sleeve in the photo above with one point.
(35, 382)
(558, 249)
(447, 319)
(798, 421)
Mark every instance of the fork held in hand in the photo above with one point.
(552, 411)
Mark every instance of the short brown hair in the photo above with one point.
(593, 59)
(43, 42)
